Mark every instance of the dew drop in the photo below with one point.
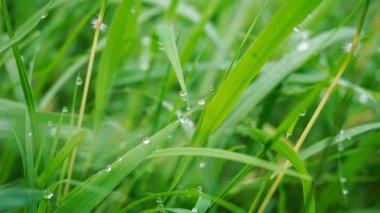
(50, 124)
(201, 102)
(202, 164)
(200, 189)
(30, 134)
(347, 47)
(78, 81)
(44, 15)
(133, 10)
(144, 65)
(303, 46)
(288, 134)
(145, 41)
(344, 191)
(182, 93)
(296, 28)
(183, 119)
(64, 109)
(159, 200)
(194, 210)
(188, 108)
(119, 159)
(47, 194)
(146, 140)
(363, 98)
(343, 180)
(108, 168)
(303, 112)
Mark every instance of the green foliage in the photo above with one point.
(193, 106)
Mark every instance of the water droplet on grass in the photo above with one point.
(119, 159)
(296, 28)
(303, 112)
(344, 191)
(30, 134)
(146, 140)
(78, 81)
(183, 119)
(108, 168)
(133, 10)
(47, 194)
(64, 109)
(44, 15)
(202, 164)
(194, 210)
(201, 102)
(347, 47)
(50, 123)
(303, 46)
(343, 180)
(159, 200)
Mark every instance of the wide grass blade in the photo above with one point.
(85, 198)
(275, 73)
(119, 40)
(13, 198)
(252, 61)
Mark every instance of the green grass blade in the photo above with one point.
(226, 155)
(346, 134)
(58, 160)
(287, 151)
(275, 73)
(85, 198)
(119, 40)
(167, 37)
(29, 147)
(13, 198)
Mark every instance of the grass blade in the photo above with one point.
(85, 198)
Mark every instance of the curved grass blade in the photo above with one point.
(226, 155)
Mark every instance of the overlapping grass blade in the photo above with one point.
(119, 40)
(252, 61)
(85, 198)
(275, 73)
(61, 156)
(13, 198)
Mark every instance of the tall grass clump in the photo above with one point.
(189, 106)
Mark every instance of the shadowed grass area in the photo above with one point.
(189, 106)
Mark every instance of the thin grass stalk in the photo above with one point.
(99, 21)
(29, 146)
(321, 105)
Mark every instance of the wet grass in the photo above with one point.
(189, 106)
